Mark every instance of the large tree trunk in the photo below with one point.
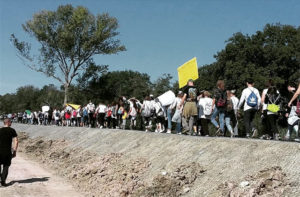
(66, 94)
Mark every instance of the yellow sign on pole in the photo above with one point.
(188, 70)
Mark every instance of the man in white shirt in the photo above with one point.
(251, 100)
(101, 109)
(91, 111)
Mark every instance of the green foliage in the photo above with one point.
(106, 87)
(162, 85)
(69, 38)
(272, 53)
(31, 98)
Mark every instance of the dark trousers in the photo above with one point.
(248, 118)
(92, 120)
(204, 126)
(101, 119)
(265, 124)
(3, 172)
(271, 119)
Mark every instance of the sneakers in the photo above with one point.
(218, 132)
(4, 184)
(297, 139)
(276, 136)
(169, 131)
(255, 132)
(247, 135)
(231, 134)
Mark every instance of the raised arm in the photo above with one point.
(297, 93)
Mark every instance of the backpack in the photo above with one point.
(221, 101)
(74, 113)
(252, 99)
(298, 107)
(273, 107)
(57, 114)
(229, 105)
(85, 112)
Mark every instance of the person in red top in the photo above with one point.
(7, 135)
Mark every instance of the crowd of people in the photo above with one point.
(190, 111)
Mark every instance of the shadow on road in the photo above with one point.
(32, 180)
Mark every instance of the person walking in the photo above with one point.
(7, 136)
(272, 100)
(251, 100)
(229, 114)
(190, 111)
(235, 102)
(205, 109)
(177, 115)
(219, 104)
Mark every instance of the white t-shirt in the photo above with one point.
(101, 108)
(205, 107)
(235, 102)
(176, 104)
(90, 107)
(245, 94)
(265, 93)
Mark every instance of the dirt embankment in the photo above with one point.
(133, 163)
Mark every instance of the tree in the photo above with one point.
(107, 86)
(162, 85)
(69, 38)
(272, 53)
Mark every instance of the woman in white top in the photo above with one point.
(205, 110)
(235, 102)
(177, 115)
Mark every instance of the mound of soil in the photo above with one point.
(174, 183)
(110, 174)
(131, 163)
(268, 182)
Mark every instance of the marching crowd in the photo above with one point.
(191, 111)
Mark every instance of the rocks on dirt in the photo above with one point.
(267, 182)
(174, 183)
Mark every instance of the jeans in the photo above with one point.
(227, 122)
(169, 113)
(216, 112)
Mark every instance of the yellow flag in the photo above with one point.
(73, 106)
(188, 70)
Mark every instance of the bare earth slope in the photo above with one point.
(135, 163)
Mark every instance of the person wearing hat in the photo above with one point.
(190, 111)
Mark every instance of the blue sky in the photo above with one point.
(160, 35)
